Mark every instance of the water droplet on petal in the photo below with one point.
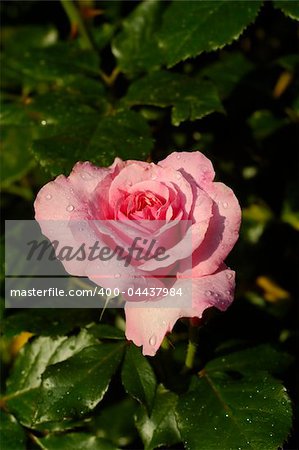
(154, 177)
(70, 208)
(117, 275)
(152, 340)
(229, 275)
(178, 176)
(48, 196)
(225, 205)
(86, 176)
(208, 293)
(178, 156)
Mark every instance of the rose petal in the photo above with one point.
(53, 199)
(222, 233)
(66, 199)
(194, 163)
(189, 240)
(147, 325)
(135, 173)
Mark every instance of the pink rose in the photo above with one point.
(177, 205)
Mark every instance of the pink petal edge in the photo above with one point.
(147, 325)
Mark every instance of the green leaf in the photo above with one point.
(252, 413)
(121, 430)
(12, 434)
(263, 358)
(263, 123)
(75, 386)
(103, 34)
(53, 111)
(24, 37)
(227, 72)
(288, 7)
(44, 116)
(23, 385)
(290, 212)
(56, 63)
(288, 62)
(235, 403)
(190, 28)
(160, 427)
(16, 160)
(104, 331)
(125, 134)
(190, 98)
(138, 377)
(136, 47)
(255, 218)
(78, 441)
(47, 322)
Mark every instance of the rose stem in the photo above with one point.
(192, 345)
(76, 20)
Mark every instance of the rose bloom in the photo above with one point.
(174, 203)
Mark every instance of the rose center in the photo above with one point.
(144, 205)
(145, 199)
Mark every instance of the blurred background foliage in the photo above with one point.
(91, 80)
